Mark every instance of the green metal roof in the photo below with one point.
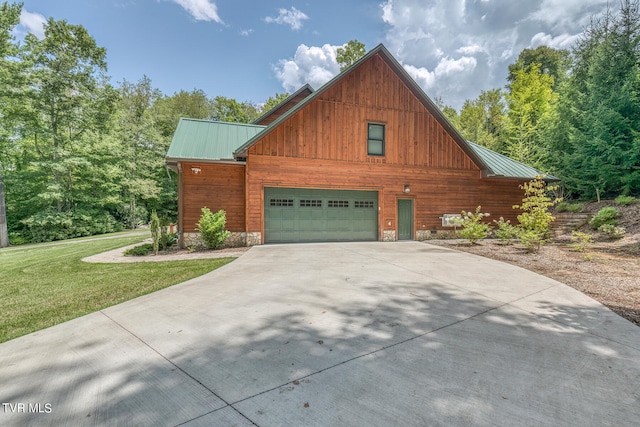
(209, 140)
(501, 166)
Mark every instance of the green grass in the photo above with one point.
(43, 285)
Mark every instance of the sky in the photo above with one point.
(250, 50)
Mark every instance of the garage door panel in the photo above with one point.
(310, 215)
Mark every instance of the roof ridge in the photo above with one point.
(221, 122)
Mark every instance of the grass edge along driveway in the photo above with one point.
(43, 285)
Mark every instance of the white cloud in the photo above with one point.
(457, 48)
(246, 33)
(454, 48)
(292, 17)
(313, 65)
(201, 10)
(32, 23)
(562, 41)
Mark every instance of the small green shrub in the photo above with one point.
(504, 231)
(608, 215)
(612, 231)
(581, 241)
(535, 219)
(575, 208)
(140, 250)
(154, 226)
(569, 207)
(562, 207)
(211, 228)
(625, 200)
(473, 229)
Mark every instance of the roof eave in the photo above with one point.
(173, 161)
(284, 102)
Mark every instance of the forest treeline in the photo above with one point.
(80, 155)
(573, 114)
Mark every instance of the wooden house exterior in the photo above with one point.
(366, 157)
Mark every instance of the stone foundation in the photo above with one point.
(236, 239)
(436, 234)
(388, 235)
(253, 238)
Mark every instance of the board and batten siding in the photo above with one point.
(215, 186)
(435, 191)
(334, 125)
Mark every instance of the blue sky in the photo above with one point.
(252, 49)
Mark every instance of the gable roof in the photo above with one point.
(208, 140)
(382, 51)
(284, 106)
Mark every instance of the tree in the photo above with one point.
(483, 120)
(229, 110)
(169, 109)
(142, 153)
(530, 100)
(67, 99)
(552, 62)
(350, 53)
(9, 18)
(598, 133)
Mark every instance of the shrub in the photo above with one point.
(49, 225)
(625, 200)
(505, 232)
(581, 240)
(473, 229)
(535, 219)
(211, 228)
(575, 208)
(154, 226)
(562, 207)
(608, 215)
(140, 250)
(612, 231)
(569, 207)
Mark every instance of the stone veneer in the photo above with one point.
(388, 235)
(235, 239)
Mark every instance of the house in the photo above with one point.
(368, 156)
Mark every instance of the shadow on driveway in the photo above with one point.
(336, 334)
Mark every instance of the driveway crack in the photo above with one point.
(200, 383)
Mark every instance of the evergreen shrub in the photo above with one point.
(211, 227)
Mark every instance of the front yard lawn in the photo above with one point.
(43, 285)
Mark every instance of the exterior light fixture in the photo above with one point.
(407, 189)
(195, 170)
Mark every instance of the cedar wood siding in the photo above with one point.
(324, 145)
(217, 186)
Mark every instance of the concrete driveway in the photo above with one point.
(356, 334)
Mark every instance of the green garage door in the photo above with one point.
(307, 215)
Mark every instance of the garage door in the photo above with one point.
(308, 215)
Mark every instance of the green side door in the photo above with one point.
(311, 215)
(405, 219)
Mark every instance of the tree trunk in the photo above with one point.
(4, 233)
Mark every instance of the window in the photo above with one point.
(375, 142)
(363, 204)
(280, 202)
(338, 203)
(310, 203)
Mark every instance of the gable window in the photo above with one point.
(375, 140)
